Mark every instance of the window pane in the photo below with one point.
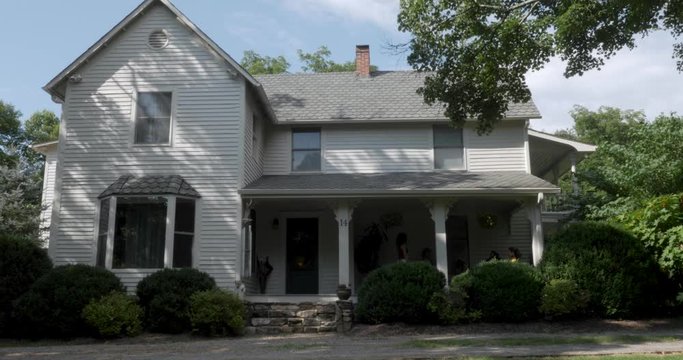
(306, 140)
(184, 215)
(154, 104)
(153, 118)
(306, 160)
(102, 232)
(446, 136)
(182, 250)
(448, 158)
(140, 233)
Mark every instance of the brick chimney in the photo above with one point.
(363, 60)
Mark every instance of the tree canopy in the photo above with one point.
(319, 62)
(256, 64)
(316, 62)
(480, 50)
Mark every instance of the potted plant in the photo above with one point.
(343, 291)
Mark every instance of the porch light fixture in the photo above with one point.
(276, 223)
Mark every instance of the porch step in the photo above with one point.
(276, 318)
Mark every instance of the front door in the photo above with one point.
(458, 245)
(302, 256)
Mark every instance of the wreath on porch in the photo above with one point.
(487, 220)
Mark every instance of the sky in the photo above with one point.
(40, 38)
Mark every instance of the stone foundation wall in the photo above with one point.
(276, 318)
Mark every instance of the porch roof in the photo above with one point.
(398, 184)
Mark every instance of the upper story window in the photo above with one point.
(153, 118)
(448, 148)
(306, 150)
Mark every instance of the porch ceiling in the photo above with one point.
(404, 184)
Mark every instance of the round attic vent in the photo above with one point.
(158, 39)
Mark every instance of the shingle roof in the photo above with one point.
(150, 185)
(385, 95)
(405, 183)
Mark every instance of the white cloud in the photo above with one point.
(642, 79)
(381, 13)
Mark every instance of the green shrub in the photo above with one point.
(621, 277)
(22, 262)
(504, 290)
(563, 299)
(53, 305)
(217, 313)
(114, 315)
(165, 297)
(452, 306)
(399, 293)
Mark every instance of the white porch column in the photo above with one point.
(534, 214)
(575, 182)
(439, 211)
(343, 213)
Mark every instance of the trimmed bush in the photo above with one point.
(53, 305)
(452, 306)
(217, 313)
(399, 293)
(22, 262)
(505, 291)
(563, 299)
(165, 298)
(621, 277)
(114, 315)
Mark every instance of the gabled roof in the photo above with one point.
(344, 96)
(398, 184)
(150, 185)
(52, 86)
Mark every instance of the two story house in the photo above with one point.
(172, 155)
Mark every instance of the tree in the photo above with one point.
(319, 62)
(20, 203)
(258, 64)
(41, 127)
(10, 135)
(480, 50)
(648, 163)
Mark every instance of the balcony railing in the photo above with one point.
(562, 202)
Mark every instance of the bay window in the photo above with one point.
(146, 232)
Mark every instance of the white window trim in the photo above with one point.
(169, 234)
(134, 111)
(464, 150)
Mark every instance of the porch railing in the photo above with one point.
(562, 202)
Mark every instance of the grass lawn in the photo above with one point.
(537, 341)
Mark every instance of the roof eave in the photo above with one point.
(365, 193)
(576, 145)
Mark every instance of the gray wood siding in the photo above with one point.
(253, 142)
(353, 148)
(369, 149)
(48, 195)
(502, 150)
(277, 151)
(205, 139)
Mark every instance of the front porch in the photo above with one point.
(313, 245)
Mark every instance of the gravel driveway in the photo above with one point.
(362, 343)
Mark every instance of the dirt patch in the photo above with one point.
(535, 327)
